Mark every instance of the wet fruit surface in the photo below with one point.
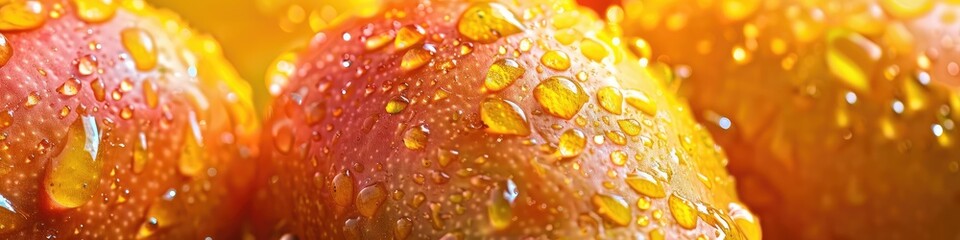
(839, 116)
(486, 120)
(117, 121)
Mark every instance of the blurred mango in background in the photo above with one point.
(838, 116)
(255, 33)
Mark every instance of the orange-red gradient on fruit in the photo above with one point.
(838, 116)
(459, 120)
(118, 121)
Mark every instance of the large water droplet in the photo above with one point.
(646, 184)
(502, 74)
(408, 36)
(488, 22)
(95, 11)
(560, 96)
(21, 15)
(139, 44)
(417, 57)
(613, 208)
(555, 60)
(70, 87)
(683, 211)
(571, 143)
(503, 117)
(369, 199)
(74, 175)
(640, 101)
(342, 187)
(416, 137)
(500, 212)
(610, 99)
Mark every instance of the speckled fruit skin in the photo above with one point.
(811, 164)
(205, 204)
(328, 136)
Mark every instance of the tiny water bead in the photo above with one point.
(488, 22)
(74, 174)
(22, 15)
(139, 43)
(503, 117)
(560, 96)
(502, 74)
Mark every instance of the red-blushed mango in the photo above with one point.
(458, 120)
(118, 121)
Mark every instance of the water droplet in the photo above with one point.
(613, 208)
(416, 138)
(850, 57)
(70, 87)
(99, 91)
(74, 174)
(402, 229)
(555, 60)
(594, 50)
(378, 41)
(408, 36)
(646, 184)
(488, 22)
(10, 220)
(21, 15)
(87, 65)
(191, 161)
(397, 105)
(618, 158)
(6, 119)
(369, 199)
(610, 99)
(6, 51)
(683, 211)
(640, 101)
(616, 137)
(95, 11)
(500, 211)
(571, 143)
(32, 99)
(629, 126)
(140, 154)
(502, 74)
(417, 57)
(140, 45)
(150, 95)
(560, 96)
(342, 187)
(746, 221)
(503, 117)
